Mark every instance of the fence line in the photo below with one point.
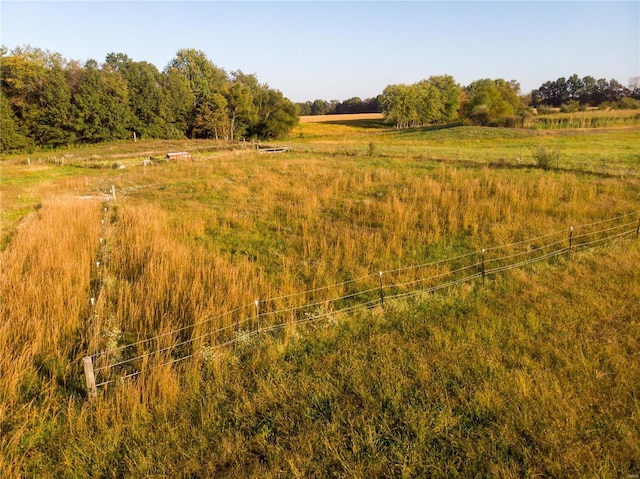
(328, 287)
(95, 286)
(120, 368)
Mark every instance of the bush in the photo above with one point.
(570, 107)
(543, 110)
(628, 103)
(544, 157)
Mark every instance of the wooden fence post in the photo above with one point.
(638, 228)
(570, 239)
(257, 303)
(90, 376)
(483, 251)
(381, 291)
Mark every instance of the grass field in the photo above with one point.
(531, 373)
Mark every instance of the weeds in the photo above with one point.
(545, 157)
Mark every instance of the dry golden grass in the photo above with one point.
(352, 117)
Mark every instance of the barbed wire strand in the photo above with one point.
(610, 219)
(351, 295)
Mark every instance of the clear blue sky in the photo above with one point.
(337, 50)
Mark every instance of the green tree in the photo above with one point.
(146, 95)
(203, 79)
(243, 110)
(101, 105)
(179, 100)
(320, 107)
(11, 138)
(304, 108)
(399, 104)
(55, 124)
(428, 103)
(493, 102)
(277, 114)
(211, 118)
(450, 96)
(34, 82)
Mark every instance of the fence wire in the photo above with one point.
(375, 289)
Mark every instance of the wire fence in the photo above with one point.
(242, 324)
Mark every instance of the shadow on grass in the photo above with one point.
(366, 123)
(448, 126)
(502, 164)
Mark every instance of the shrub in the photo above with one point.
(543, 110)
(570, 107)
(628, 103)
(544, 157)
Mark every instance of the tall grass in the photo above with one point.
(533, 373)
(590, 119)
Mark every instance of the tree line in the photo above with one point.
(585, 92)
(335, 107)
(486, 102)
(49, 101)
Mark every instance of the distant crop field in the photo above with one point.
(351, 117)
(267, 315)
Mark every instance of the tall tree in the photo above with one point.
(427, 102)
(35, 84)
(211, 118)
(203, 79)
(11, 138)
(101, 104)
(277, 114)
(145, 92)
(400, 105)
(450, 96)
(243, 110)
(180, 102)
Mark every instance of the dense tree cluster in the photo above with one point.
(440, 100)
(335, 107)
(584, 92)
(493, 103)
(436, 100)
(49, 101)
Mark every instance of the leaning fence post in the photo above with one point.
(381, 291)
(89, 376)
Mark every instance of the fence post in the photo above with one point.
(381, 291)
(483, 251)
(638, 228)
(113, 192)
(89, 376)
(570, 239)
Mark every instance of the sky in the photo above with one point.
(339, 50)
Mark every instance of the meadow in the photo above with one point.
(532, 372)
